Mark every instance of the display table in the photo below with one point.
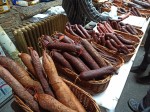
(109, 98)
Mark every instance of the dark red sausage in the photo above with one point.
(130, 30)
(84, 31)
(64, 47)
(114, 37)
(66, 39)
(99, 29)
(102, 27)
(114, 43)
(115, 24)
(130, 47)
(79, 31)
(67, 29)
(124, 30)
(77, 64)
(108, 27)
(110, 46)
(123, 49)
(88, 59)
(58, 57)
(94, 74)
(137, 11)
(103, 40)
(133, 29)
(72, 32)
(125, 41)
(95, 55)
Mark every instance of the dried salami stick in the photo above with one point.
(95, 55)
(110, 46)
(19, 89)
(64, 47)
(66, 39)
(79, 31)
(75, 62)
(97, 73)
(88, 59)
(84, 31)
(26, 59)
(125, 41)
(114, 38)
(39, 71)
(58, 57)
(20, 74)
(130, 30)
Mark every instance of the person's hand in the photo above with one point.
(117, 20)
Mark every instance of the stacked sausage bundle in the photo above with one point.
(82, 58)
(46, 91)
(124, 27)
(105, 37)
(138, 4)
(134, 11)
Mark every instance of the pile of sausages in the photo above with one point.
(106, 37)
(81, 58)
(138, 4)
(124, 27)
(39, 90)
(134, 11)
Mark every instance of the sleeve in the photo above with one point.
(90, 11)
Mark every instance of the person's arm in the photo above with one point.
(91, 12)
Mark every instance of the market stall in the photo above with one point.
(95, 61)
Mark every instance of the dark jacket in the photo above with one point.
(78, 11)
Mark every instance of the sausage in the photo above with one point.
(130, 30)
(133, 29)
(84, 31)
(125, 16)
(114, 43)
(123, 49)
(75, 62)
(58, 57)
(64, 47)
(95, 55)
(97, 73)
(115, 24)
(66, 39)
(131, 4)
(88, 59)
(103, 40)
(130, 47)
(99, 29)
(102, 27)
(124, 30)
(67, 28)
(40, 72)
(79, 31)
(72, 32)
(114, 38)
(110, 46)
(143, 4)
(125, 41)
(108, 27)
(19, 89)
(137, 11)
(20, 74)
(134, 12)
